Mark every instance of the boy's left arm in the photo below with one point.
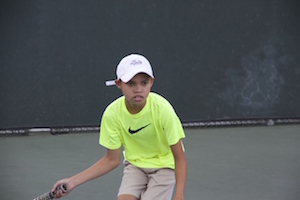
(180, 170)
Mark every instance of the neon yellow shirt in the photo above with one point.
(146, 136)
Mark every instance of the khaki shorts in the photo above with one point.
(147, 184)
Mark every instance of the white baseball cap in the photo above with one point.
(130, 66)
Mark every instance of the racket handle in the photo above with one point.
(50, 195)
(46, 196)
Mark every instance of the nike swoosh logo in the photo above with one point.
(135, 131)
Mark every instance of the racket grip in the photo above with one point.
(46, 196)
(50, 195)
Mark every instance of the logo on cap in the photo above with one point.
(136, 62)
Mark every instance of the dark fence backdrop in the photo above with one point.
(212, 60)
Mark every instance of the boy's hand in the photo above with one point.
(59, 193)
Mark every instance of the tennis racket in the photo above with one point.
(50, 195)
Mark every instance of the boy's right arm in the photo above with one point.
(109, 162)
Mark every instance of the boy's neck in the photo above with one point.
(134, 109)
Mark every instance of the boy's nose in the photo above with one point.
(138, 88)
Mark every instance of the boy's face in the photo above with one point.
(136, 91)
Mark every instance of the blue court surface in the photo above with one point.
(233, 163)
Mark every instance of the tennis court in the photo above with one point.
(248, 163)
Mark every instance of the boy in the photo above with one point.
(150, 132)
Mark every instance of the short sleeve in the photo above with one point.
(109, 134)
(171, 125)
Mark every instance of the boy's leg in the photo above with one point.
(127, 197)
(160, 185)
(134, 182)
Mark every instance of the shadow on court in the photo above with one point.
(240, 163)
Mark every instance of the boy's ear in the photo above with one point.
(152, 80)
(118, 83)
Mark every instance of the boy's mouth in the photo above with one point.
(137, 98)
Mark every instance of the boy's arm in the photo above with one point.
(107, 163)
(180, 170)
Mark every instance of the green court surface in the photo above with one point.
(236, 163)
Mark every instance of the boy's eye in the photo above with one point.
(130, 83)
